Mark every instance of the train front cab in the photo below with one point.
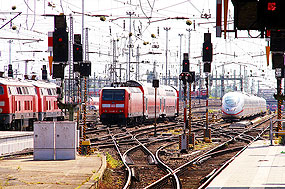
(120, 106)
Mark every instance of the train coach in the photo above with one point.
(22, 102)
(236, 106)
(134, 103)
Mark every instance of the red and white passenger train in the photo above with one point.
(22, 102)
(134, 103)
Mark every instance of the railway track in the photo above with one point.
(134, 142)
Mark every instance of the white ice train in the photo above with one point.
(237, 105)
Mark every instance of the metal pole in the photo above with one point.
(279, 126)
(166, 29)
(180, 66)
(82, 36)
(155, 91)
(271, 133)
(138, 63)
(185, 109)
(10, 59)
(189, 36)
(207, 121)
(130, 41)
(84, 109)
(190, 116)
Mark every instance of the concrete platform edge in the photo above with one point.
(97, 176)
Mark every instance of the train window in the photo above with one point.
(27, 91)
(230, 101)
(19, 105)
(110, 94)
(9, 90)
(49, 91)
(24, 90)
(1, 90)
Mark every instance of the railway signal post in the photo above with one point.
(207, 59)
(155, 84)
(184, 76)
(191, 79)
(184, 139)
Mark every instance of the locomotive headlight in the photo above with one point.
(1, 110)
(2, 103)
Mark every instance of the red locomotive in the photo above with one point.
(134, 103)
(22, 102)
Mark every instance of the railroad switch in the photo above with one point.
(85, 147)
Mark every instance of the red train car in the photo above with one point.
(18, 104)
(47, 101)
(23, 102)
(120, 105)
(134, 102)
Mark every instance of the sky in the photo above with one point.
(148, 17)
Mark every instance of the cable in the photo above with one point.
(34, 15)
(61, 6)
(28, 6)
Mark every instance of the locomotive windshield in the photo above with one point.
(231, 101)
(111, 94)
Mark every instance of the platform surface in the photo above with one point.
(24, 172)
(260, 165)
(9, 134)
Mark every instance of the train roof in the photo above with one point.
(130, 89)
(14, 82)
(143, 85)
(242, 94)
(44, 84)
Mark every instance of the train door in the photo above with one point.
(160, 106)
(146, 107)
(164, 108)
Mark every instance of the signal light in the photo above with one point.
(155, 83)
(192, 77)
(207, 67)
(207, 52)
(44, 73)
(185, 66)
(58, 71)
(85, 69)
(10, 70)
(271, 14)
(271, 6)
(60, 46)
(277, 60)
(182, 77)
(77, 53)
